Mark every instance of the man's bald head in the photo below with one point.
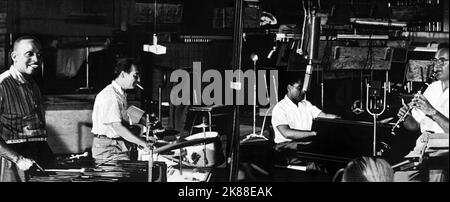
(26, 55)
(442, 53)
(19, 41)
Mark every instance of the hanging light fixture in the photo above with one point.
(155, 48)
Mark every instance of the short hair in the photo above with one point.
(368, 169)
(294, 77)
(125, 64)
(23, 38)
(289, 78)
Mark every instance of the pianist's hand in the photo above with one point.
(24, 163)
(333, 116)
(336, 116)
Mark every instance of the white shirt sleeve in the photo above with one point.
(110, 110)
(279, 117)
(313, 109)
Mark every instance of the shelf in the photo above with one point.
(417, 6)
(423, 49)
(427, 35)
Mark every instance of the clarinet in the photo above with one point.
(401, 119)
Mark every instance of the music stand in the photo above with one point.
(375, 114)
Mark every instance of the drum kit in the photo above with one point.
(194, 154)
(193, 151)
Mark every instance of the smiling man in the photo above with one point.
(109, 116)
(23, 139)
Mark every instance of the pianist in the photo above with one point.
(292, 120)
(429, 114)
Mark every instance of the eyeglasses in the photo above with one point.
(439, 61)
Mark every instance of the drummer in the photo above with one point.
(430, 111)
(109, 115)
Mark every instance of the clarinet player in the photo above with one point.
(429, 114)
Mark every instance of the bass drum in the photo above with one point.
(195, 155)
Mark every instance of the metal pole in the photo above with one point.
(159, 104)
(374, 135)
(150, 159)
(233, 158)
(205, 160)
(87, 63)
(254, 100)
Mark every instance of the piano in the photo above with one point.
(338, 141)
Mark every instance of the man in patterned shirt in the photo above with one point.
(23, 139)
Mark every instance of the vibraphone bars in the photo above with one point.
(114, 171)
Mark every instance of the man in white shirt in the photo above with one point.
(292, 119)
(109, 115)
(430, 111)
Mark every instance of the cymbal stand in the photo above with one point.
(180, 160)
(150, 159)
(374, 108)
(204, 144)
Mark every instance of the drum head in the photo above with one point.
(202, 135)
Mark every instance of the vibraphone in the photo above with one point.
(114, 171)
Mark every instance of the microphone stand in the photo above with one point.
(254, 58)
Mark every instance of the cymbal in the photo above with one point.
(203, 125)
(184, 144)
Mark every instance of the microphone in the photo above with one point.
(271, 52)
(307, 78)
(254, 57)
